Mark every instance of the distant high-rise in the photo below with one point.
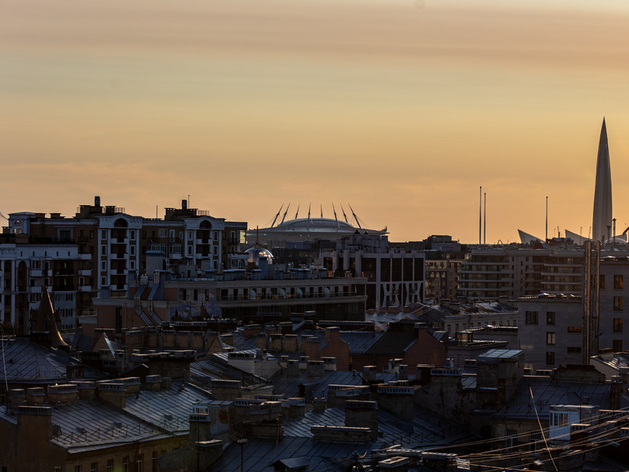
(602, 215)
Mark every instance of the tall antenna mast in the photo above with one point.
(335, 218)
(480, 215)
(297, 214)
(309, 205)
(321, 205)
(485, 220)
(546, 217)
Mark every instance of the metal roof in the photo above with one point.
(87, 425)
(547, 393)
(259, 454)
(289, 386)
(27, 362)
(494, 355)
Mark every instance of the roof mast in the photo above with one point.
(278, 214)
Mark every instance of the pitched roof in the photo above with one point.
(27, 362)
(546, 393)
(45, 320)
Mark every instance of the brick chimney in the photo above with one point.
(362, 414)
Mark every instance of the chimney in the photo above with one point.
(16, 396)
(291, 343)
(96, 201)
(292, 369)
(112, 392)
(35, 396)
(362, 414)
(332, 334)
(275, 344)
(166, 383)
(153, 383)
(62, 394)
(615, 393)
(34, 430)
(87, 389)
(315, 369)
(329, 363)
(227, 390)
(184, 204)
(424, 374)
(261, 341)
(370, 372)
(303, 362)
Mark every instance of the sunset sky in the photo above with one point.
(402, 109)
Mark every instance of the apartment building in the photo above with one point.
(78, 256)
(552, 328)
(492, 273)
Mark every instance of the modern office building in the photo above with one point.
(395, 278)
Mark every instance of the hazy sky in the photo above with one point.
(400, 108)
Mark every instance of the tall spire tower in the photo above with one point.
(602, 220)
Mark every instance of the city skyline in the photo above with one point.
(402, 109)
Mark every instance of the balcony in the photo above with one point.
(85, 272)
(85, 288)
(85, 257)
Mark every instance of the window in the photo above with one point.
(535, 440)
(78, 468)
(550, 338)
(110, 465)
(103, 234)
(618, 303)
(574, 329)
(618, 282)
(140, 463)
(132, 234)
(550, 317)
(532, 317)
(132, 250)
(574, 350)
(162, 233)
(617, 327)
(103, 265)
(154, 461)
(617, 345)
(550, 358)
(103, 250)
(94, 467)
(559, 419)
(125, 464)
